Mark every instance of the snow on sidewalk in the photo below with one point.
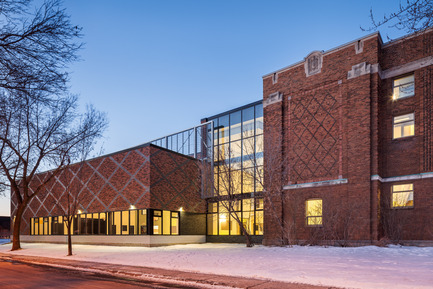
(360, 267)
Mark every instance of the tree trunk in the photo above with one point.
(69, 239)
(16, 244)
(248, 239)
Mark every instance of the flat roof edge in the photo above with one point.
(232, 110)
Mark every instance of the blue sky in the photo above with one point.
(158, 67)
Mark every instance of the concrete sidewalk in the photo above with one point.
(188, 279)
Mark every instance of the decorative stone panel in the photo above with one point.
(313, 63)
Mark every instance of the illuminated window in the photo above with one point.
(404, 87)
(133, 228)
(314, 212)
(102, 223)
(212, 219)
(157, 222)
(404, 125)
(41, 228)
(32, 226)
(223, 219)
(166, 224)
(175, 223)
(142, 222)
(402, 196)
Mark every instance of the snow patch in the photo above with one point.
(360, 267)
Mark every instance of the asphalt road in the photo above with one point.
(17, 275)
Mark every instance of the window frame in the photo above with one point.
(307, 217)
(403, 126)
(394, 97)
(400, 192)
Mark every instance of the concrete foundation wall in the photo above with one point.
(145, 241)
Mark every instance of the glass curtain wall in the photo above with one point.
(238, 170)
(128, 222)
(238, 146)
(221, 222)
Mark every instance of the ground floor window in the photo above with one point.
(128, 222)
(313, 210)
(221, 221)
(402, 196)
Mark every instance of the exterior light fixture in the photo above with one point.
(79, 212)
(132, 207)
(180, 209)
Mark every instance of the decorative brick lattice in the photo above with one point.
(314, 150)
(147, 177)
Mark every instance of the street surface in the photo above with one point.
(14, 275)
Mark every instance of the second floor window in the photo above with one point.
(404, 125)
(404, 87)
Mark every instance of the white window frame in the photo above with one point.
(398, 88)
(400, 123)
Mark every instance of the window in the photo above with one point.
(175, 223)
(402, 196)
(404, 125)
(404, 87)
(314, 212)
(157, 222)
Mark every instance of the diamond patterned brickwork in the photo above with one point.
(146, 177)
(315, 133)
(175, 182)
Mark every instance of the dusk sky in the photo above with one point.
(158, 67)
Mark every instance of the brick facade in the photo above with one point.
(145, 177)
(334, 116)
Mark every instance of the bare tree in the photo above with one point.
(40, 127)
(36, 47)
(37, 136)
(227, 189)
(270, 178)
(69, 200)
(412, 16)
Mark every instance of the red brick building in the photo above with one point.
(349, 132)
(343, 140)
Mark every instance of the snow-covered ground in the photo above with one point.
(361, 267)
